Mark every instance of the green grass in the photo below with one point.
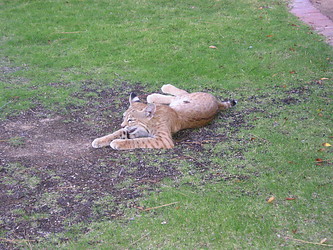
(53, 47)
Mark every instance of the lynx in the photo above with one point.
(152, 125)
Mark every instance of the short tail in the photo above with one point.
(227, 104)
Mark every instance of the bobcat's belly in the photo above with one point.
(196, 105)
(196, 109)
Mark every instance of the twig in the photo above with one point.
(71, 32)
(5, 104)
(144, 236)
(308, 242)
(192, 142)
(121, 170)
(165, 205)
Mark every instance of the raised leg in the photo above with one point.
(161, 99)
(106, 140)
(172, 90)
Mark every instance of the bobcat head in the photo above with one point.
(137, 118)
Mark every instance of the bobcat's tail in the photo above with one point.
(227, 104)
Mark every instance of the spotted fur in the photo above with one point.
(152, 125)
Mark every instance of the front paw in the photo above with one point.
(116, 144)
(97, 143)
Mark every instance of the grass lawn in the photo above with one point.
(264, 181)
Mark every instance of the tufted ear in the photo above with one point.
(150, 110)
(133, 98)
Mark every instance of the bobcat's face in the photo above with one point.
(136, 119)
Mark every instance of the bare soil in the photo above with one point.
(51, 178)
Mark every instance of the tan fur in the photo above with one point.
(152, 125)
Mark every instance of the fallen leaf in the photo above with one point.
(327, 144)
(323, 240)
(270, 200)
(324, 78)
(290, 198)
(269, 36)
(321, 150)
(212, 47)
(319, 160)
(294, 231)
(292, 72)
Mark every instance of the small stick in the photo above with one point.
(165, 205)
(192, 142)
(5, 104)
(71, 32)
(144, 236)
(309, 242)
(121, 170)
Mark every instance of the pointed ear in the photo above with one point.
(150, 110)
(133, 98)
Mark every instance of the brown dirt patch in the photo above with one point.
(51, 177)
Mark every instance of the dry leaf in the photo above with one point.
(269, 36)
(270, 200)
(323, 240)
(327, 144)
(212, 47)
(319, 160)
(290, 198)
(324, 78)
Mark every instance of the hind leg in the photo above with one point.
(161, 99)
(172, 90)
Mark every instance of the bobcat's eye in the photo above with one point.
(130, 120)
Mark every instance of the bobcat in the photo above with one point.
(152, 125)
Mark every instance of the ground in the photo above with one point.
(325, 6)
(53, 178)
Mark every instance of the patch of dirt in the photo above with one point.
(51, 177)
